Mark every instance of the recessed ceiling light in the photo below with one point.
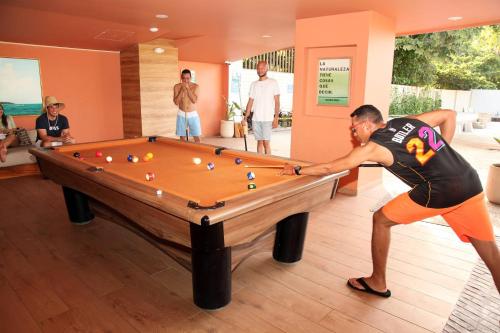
(159, 50)
(161, 16)
(266, 36)
(455, 18)
(154, 29)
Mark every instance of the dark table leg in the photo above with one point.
(290, 236)
(78, 206)
(211, 266)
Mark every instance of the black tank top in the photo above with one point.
(438, 175)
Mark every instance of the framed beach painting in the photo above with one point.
(20, 86)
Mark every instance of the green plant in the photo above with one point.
(410, 103)
(230, 107)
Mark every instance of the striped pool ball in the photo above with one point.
(251, 175)
(210, 166)
(252, 186)
(238, 160)
(150, 176)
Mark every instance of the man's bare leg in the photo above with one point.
(260, 146)
(381, 239)
(267, 147)
(488, 251)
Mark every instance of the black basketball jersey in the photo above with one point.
(438, 175)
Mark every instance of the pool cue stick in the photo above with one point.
(245, 132)
(265, 166)
(186, 124)
(370, 165)
(365, 165)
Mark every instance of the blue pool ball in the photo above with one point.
(210, 166)
(251, 175)
(130, 158)
(238, 160)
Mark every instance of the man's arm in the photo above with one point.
(248, 110)
(445, 119)
(66, 136)
(178, 89)
(369, 152)
(42, 134)
(192, 93)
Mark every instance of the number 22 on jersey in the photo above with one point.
(417, 145)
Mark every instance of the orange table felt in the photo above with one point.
(174, 169)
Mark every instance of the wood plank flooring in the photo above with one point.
(56, 277)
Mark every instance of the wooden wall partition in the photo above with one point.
(148, 79)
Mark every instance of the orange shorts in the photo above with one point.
(470, 218)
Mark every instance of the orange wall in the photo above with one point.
(322, 133)
(213, 82)
(88, 82)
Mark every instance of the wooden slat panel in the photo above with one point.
(131, 92)
(148, 79)
(158, 75)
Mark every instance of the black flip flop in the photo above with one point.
(368, 289)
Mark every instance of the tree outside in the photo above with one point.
(456, 60)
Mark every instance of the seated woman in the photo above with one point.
(53, 128)
(7, 133)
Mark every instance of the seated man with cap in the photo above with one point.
(53, 128)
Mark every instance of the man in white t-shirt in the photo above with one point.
(265, 101)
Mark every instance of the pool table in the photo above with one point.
(209, 221)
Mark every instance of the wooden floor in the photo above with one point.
(56, 277)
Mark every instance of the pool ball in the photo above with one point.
(252, 186)
(150, 155)
(135, 159)
(238, 160)
(98, 154)
(130, 158)
(145, 158)
(196, 160)
(159, 193)
(150, 176)
(210, 166)
(76, 154)
(251, 175)
(109, 159)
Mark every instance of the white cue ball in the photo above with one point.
(196, 160)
